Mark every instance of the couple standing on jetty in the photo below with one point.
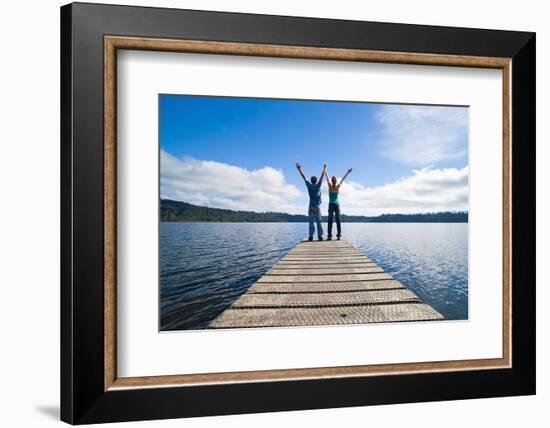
(314, 212)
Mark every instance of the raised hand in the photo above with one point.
(299, 168)
(349, 171)
(344, 177)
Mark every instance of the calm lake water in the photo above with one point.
(204, 267)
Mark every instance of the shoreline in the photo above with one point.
(323, 221)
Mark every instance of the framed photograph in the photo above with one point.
(265, 213)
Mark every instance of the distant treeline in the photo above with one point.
(176, 211)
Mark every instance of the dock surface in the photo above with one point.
(324, 283)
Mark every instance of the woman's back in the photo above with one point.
(333, 195)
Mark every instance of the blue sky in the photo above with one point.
(240, 153)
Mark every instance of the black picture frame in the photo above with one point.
(83, 398)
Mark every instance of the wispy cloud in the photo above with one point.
(220, 185)
(423, 135)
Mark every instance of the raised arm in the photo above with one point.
(344, 177)
(328, 181)
(299, 168)
(323, 173)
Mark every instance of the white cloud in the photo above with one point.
(423, 135)
(426, 190)
(216, 184)
(220, 185)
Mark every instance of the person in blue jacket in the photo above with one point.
(314, 211)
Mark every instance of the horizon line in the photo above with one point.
(305, 215)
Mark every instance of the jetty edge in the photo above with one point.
(324, 283)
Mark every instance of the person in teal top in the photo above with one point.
(334, 204)
(314, 211)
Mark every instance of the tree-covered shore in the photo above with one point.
(176, 211)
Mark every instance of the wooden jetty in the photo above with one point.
(324, 283)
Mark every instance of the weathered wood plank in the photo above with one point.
(314, 263)
(325, 278)
(324, 271)
(317, 242)
(325, 253)
(308, 265)
(250, 300)
(323, 247)
(323, 287)
(286, 317)
(323, 259)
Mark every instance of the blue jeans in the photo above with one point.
(334, 210)
(315, 217)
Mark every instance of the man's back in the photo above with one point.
(314, 191)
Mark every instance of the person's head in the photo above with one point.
(313, 180)
(333, 179)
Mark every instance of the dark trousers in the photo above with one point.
(334, 209)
